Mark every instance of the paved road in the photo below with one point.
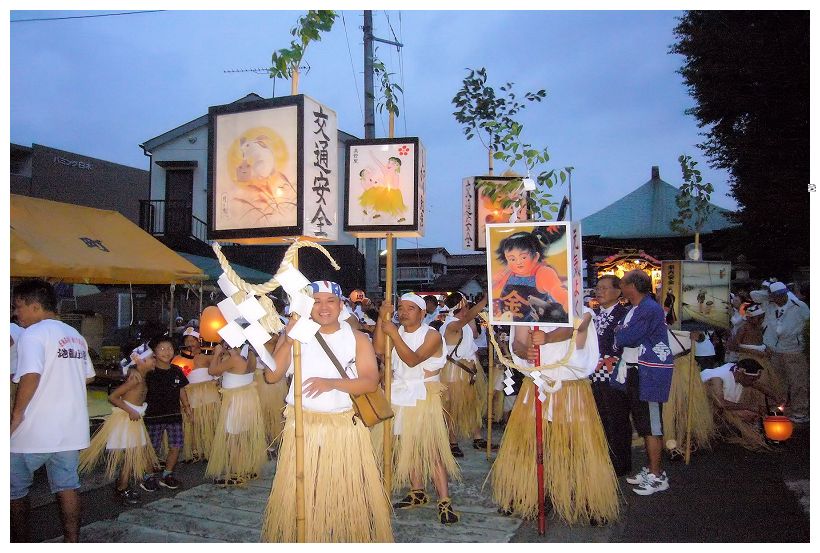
(726, 495)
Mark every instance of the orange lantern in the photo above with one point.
(778, 428)
(210, 323)
(184, 363)
(357, 295)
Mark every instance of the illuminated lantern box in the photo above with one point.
(535, 271)
(273, 171)
(695, 294)
(478, 210)
(384, 187)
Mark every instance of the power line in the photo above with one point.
(81, 16)
(352, 68)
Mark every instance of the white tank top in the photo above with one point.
(315, 362)
(466, 349)
(414, 340)
(230, 380)
(198, 376)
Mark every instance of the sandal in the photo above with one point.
(456, 451)
(506, 511)
(446, 514)
(415, 498)
(481, 443)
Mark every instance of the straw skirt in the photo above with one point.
(464, 403)
(239, 448)
(676, 409)
(124, 443)
(200, 427)
(345, 500)
(272, 400)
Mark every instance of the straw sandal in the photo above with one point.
(415, 498)
(455, 450)
(446, 514)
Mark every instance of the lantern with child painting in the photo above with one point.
(273, 171)
(384, 187)
(478, 209)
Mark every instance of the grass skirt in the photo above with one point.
(578, 474)
(239, 447)
(464, 403)
(345, 499)
(738, 430)
(381, 198)
(676, 408)
(423, 441)
(199, 429)
(135, 459)
(272, 399)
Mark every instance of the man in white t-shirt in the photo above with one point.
(49, 420)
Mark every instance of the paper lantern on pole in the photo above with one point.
(695, 294)
(384, 187)
(778, 428)
(478, 210)
(273, 171)
(184, 363)
(210, 323)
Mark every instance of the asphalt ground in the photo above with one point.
(727, 495)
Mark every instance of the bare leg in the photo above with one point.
(415, 481)
(122, 481)
(654, 448)
(440, 480)
(19, 520)
(171, 460)
(70, 509)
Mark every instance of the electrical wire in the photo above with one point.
(81, 16)
(352, 68)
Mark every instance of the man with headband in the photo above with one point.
(341, 478)
(463, 377)
(422, 447)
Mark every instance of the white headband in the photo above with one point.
(414, 298)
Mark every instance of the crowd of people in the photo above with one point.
(597, 383)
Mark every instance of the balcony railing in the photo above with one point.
(171, 218)
(414, 274)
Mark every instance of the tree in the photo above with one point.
(490, 117)
(389, 92)
(285, 61)
(692, 200)
(748, 72)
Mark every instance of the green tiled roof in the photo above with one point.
(646, 213)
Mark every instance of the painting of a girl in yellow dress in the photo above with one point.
(382, 184)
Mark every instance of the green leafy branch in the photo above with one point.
(692, 199)
(389, 89)
(286, 61)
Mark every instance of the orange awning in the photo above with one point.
(82, 244)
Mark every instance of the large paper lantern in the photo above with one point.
(273, 171)
(478, 210)
(184, 363)
(384, 187)
(778, 428)
(210, 323)
(695, 294)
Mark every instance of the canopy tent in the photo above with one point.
(86, 245)
(210, 266)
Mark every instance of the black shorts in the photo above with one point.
(647, 416)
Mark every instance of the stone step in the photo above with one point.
(224, 512)
(118, 531)
(195, 526)
(236, 498)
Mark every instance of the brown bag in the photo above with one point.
(373, 407)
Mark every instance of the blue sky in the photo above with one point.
(614, 106)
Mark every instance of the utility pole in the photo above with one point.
(371, 245)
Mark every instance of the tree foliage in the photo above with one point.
(748, 72)
(491, 117)
(308, 29)
(389, 89)
(692, 199)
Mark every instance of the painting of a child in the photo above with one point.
(525, 287)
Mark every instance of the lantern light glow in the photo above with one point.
(778, 428)
(210, 323)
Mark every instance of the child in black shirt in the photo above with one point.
(166, 394)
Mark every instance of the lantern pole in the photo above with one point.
(170, 311)
(299, 432)
(490, 393)
(387, 449)
(689, 399)
(539, 452)
(294, 81)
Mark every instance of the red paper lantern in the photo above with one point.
(778, 428)
(210, 323)
(184, 363)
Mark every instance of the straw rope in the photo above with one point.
(270, 321)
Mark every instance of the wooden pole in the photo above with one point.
(299, 434)
(490, 162)
(200, 297)
(490, 392)
(387, 449)
(539, 454)
(392, 125)
(689, 398)
(294, 82)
